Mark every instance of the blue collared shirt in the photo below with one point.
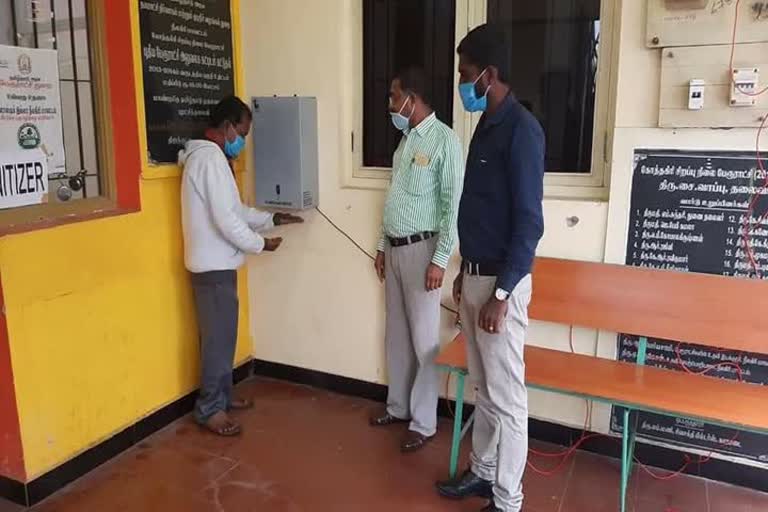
(500, 215)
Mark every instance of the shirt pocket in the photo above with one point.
(421, 179)
(485, 176)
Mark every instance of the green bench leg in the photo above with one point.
(456, 442)
(628, 436)
(627, 456)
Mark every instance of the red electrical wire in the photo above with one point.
(733, 51)
(565, 455)
(748, 225)
(727, 364)
(688, 460)
(568, 452)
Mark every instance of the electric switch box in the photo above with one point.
(285, 155)
(744, 87)
(696, 94)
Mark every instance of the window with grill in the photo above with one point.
(63, 26)
(554, 72)
(398, 34)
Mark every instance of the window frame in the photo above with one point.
(110, 40)
(469, 14)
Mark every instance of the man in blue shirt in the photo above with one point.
(500, 225)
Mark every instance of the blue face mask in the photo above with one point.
(401, 122)
(469, 96)
(233, 148)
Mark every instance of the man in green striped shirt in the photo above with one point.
(418, 237)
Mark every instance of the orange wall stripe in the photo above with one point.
(11, 450)
(122, 90)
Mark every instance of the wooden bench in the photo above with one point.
(722, 312)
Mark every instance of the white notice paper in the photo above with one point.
(30, 104)
(23, 178)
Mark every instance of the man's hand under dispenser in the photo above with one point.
(281, 219)
(271, 244)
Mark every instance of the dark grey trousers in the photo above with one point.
(217, 316)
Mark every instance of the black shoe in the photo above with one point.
(385, 419)
(491, 508)
(467, 485)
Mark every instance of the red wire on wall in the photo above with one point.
(733, 50)
(748, 226)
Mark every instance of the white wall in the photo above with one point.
(637, 108)
(316, 303)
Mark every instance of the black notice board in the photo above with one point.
(687, 212)
(188, 66)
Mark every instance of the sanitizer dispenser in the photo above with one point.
(285, 152)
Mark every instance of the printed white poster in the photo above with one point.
(23, 177)
(30, 104)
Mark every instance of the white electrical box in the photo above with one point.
(285, 152)
(745, 87)
(671, 23)
(696, 94)
(688, 70)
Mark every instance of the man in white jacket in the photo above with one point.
(218, 232)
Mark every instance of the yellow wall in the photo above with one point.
(317, 303)
(101, 325)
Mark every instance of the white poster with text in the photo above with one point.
(30, 104)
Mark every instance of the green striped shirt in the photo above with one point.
(427, 173)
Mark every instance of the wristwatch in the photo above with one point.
(501, 295)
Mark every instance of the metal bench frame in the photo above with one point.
(629, 427)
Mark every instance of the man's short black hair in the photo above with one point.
(486, 46)
(230, 109)
(413, 80)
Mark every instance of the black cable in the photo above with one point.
(361, 249)
(370, 256)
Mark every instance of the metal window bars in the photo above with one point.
(62, 25)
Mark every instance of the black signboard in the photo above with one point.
(687, 214)
(188, 66)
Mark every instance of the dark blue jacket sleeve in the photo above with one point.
(525, 176)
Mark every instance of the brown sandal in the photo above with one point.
(221, 425)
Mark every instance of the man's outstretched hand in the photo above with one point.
(271, 244)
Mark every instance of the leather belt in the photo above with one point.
(412, 239)
(480, 269)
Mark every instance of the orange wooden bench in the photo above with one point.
(722, 312)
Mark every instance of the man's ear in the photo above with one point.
(493, 74)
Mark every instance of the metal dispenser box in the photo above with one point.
(285, 152)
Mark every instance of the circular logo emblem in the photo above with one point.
(25, 64)
(29, 136)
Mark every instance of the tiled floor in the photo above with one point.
(306, 450)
